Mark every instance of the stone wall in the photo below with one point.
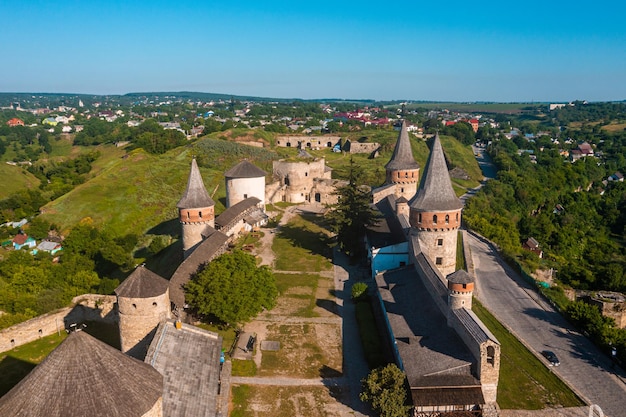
(87, 307)
(357, 147)
(311, 142)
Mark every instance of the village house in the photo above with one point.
(22, 240)
(15, 122)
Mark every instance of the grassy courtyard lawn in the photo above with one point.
(525, 382)
(17, 363)
(306, 351)
(268, 401)
(302, 245)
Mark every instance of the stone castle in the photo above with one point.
(451, 360)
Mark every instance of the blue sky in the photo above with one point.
(404, 50)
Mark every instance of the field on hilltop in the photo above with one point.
(132, 192)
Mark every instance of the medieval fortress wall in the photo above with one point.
(87, 307)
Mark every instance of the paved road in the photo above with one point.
(540, 327)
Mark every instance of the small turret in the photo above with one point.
(460, 290)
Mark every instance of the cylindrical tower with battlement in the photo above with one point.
(438, 233)
(143, 301)
(196, 210)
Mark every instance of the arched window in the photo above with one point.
(457, 217)
(434, 219)
(447, 218)
(419, 217)
(200, 214)
(154, 304)
(491, 355)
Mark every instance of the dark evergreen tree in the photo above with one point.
(352, 214)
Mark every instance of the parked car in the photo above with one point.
(551, 357)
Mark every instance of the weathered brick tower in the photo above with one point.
(143, 301)
(402, 170)
(436, 212)
(196, 210)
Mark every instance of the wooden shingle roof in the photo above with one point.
(85, 377)
(244, 169)
(196, 195)
(142, 283)
(435, 192)
(402, 157)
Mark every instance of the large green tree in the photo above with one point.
(232, 288)
(385, 390)
(352, 214)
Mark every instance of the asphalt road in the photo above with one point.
(537, 324)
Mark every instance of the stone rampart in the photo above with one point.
(87, 307)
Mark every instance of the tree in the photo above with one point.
(384, 389)
(232, 289)
(352, 214)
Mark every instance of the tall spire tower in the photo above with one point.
(402, 170)
(196, 210)
(435, 212)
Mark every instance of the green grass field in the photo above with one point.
(302, 245)
(525, 382)
(15, 179)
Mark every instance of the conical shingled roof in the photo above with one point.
(402, 157)
(85, 377)
(244, 169)
(142, 283)
(435, 192)
(196, 195)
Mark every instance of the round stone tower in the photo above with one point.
(460, 290)
(402, 170)
(196, 210)
(143, 301)
(242, 181)
(436, 212)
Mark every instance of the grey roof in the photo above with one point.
(427, 346)
(476, 328)
(142, 283)
(460, 277)
(205, 252)
(245, 169)
(435, 192)
(402, 157)
(196, 195)
(451, 392)
(233, 212)
(189, 358)
(387, 230)
(85, 377)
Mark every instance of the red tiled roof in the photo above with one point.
(20, 239)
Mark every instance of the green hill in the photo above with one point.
(139, 191)
(14, 179)
(136, 192)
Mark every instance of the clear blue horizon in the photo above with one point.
(458, 51)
